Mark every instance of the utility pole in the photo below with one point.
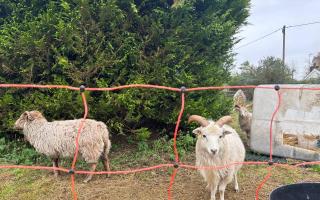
(283, 44)
(310, 54)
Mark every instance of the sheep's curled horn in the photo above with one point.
(224, 120)
(197, 118)
(204, 122)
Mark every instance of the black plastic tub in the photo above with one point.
(299, 191)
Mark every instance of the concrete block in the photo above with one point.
(298, 115)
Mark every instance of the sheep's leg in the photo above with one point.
(222, 186)
(89, 177)
(236, 185)
(214, 188)
(208, 187)
(106, 165)
(248, 140)
(55, 162)
(105, 157)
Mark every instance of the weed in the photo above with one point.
(316, 168)
(142, 134)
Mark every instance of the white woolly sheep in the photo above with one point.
(57, 139)
(217, 145)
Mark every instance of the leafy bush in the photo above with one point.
(111, 43)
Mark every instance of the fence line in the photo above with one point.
(152, 87)
(271, 123)
(266, 178)
(176, 165)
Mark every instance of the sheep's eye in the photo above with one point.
(221, 136)
(204, 136)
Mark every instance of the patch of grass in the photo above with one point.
(152, 152)
(316, 168)
(21, 184)
(20, 152)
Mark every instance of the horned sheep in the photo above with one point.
(218, 145)
(57, 139)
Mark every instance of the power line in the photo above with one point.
(269, 34)
(306, 24)
(258, 39)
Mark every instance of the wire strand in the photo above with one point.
(305, 24)
(275, 31)
(258, 39)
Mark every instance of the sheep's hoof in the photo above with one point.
(208, 188)
(56, 175)
(108, 176)
(237, 190)
(86, 180)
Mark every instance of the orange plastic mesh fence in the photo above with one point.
(177, 164)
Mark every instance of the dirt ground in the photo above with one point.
(148, 185)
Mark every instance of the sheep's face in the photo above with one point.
(210, 138)
(25, 118)
(243, 111)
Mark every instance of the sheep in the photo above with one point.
(245, 117)
(217, 145)
(57, 139)
(245, 120)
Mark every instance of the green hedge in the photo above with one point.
(111, 43)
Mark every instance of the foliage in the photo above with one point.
(310, 81)
(316, 168)
(111, 43)
(20, 153)
(142, 134)
(155, 150)
(270, 70)
(158, 151)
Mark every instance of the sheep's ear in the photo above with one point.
(226, 132)
(197, 131)
(26, 115)
(249, 105)
(29, 116)
(237, 107)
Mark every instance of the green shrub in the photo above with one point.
(111, 43)
(142, 134)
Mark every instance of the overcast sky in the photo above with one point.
(269, 15)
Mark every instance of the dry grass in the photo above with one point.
(23, 184)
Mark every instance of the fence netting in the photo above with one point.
(176, 165)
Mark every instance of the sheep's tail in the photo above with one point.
(102, 128)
